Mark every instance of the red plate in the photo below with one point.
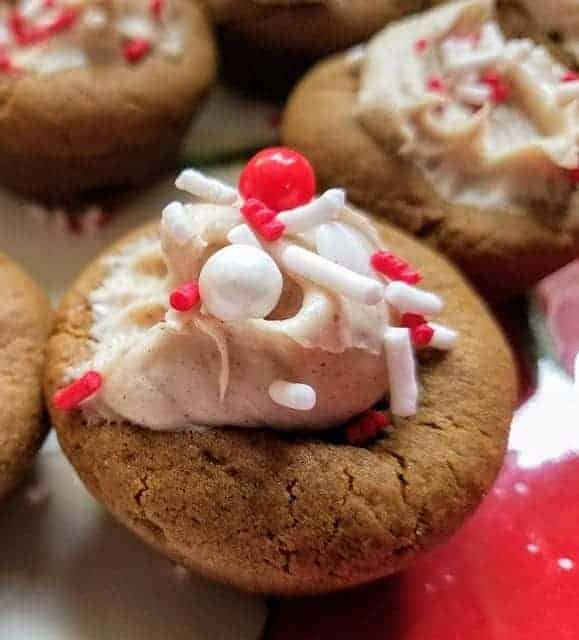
(511, 573)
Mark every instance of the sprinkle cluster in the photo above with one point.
(29, 27)
(475, 72)
(276, 204)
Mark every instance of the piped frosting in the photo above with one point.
(210, 322)
(491, 123)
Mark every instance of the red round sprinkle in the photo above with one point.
(421, 45)
(366, 427)
(573, 175)
(570, 76)
(156, 8)
(70, 397)
(435, 84)
(280, 177)
(412, 320)
(421, 335)
(136, 49)
(185, 297)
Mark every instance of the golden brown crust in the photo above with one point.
(272, 514)
(25, 323)
(312, 29)
(118, 121)
(502, 252)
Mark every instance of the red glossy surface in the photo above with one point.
(279, 177)
(511, 573)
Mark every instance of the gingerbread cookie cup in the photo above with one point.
(252, 504)
(504, 249)
(25, 323)
(97, 95)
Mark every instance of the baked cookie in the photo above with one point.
(238, 386)
(97, 94)
(309, 28)
(457, 135)
(25, 323)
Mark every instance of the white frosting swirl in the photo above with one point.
(431, 81)
(317, 360)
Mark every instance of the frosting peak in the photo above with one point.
(240, 314)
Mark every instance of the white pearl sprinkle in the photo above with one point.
(240, 282)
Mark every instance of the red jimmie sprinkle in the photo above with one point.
(70, 397)
(136, 49)
(421, 45)
(263, 220)
(412, 320)
(366, 427)
(394, 268)
(570, 76)
(156, 8)
(27, 34)
(435, 84)
(421, 335)
(256, 213)
(500, 91)
(185, 297)
(7, 66)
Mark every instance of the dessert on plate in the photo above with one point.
(25, 323)
(96, 93)
(457, 134)
(277, 392)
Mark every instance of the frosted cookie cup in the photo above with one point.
(239, 386)
(456, 134)
(97, 94)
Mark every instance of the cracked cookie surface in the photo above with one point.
(274, 513)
